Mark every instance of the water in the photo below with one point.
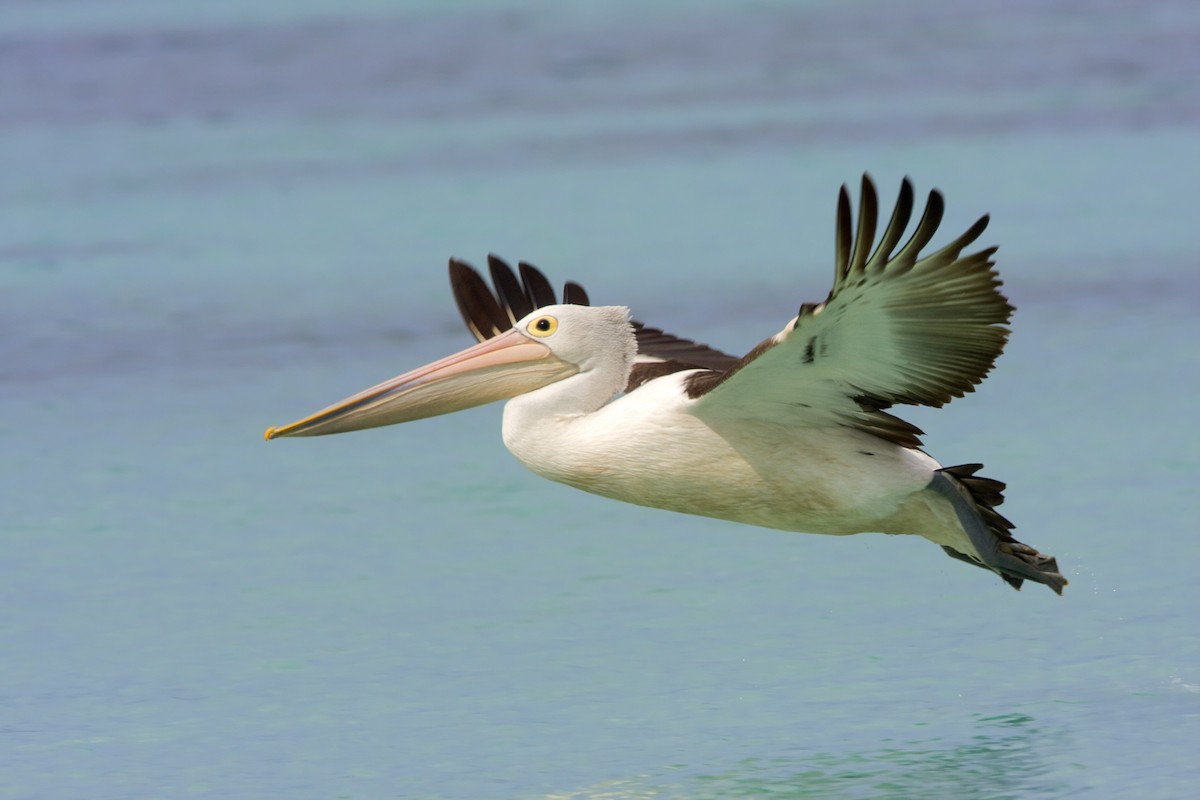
(218, 217)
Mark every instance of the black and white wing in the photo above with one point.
(898, 327)
(490, 312)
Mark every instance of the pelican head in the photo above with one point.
(551, 344)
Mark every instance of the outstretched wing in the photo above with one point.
(897, 327)
(489, 313)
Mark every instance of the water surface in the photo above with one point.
(218, 217)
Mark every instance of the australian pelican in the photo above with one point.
(794, 435)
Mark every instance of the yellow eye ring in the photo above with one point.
(543, 326)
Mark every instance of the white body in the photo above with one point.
(649, 447)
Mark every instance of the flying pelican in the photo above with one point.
(794, 435)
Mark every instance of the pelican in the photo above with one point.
(795, 435)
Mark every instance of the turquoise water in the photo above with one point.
(217, 218)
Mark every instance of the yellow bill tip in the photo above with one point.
(269, 434)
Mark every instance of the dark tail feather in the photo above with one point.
(1003, 554)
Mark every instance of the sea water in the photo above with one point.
(217, 217)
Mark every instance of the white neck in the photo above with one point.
(538, 426)
(580, 394)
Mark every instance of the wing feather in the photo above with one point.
(537, 287)
(509, 290)
(574, 294)
(478, 306)
(896, 329)
(867, 220)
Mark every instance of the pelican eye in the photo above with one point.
(543, 326)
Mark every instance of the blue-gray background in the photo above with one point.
(222, 215)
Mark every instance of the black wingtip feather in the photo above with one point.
(935, 209)
(845, 222)
(537, 287)
(508, 289)
(868, 218)
(901, 214)
(574, 294)
(479, 308)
